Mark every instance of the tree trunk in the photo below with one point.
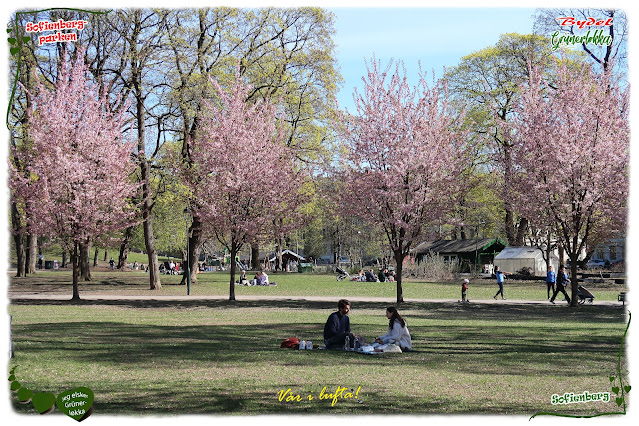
(18, 240)
(515, 234)
(234, 250)
(521, 232)
(509, 227)
(548, 251)
(278, 254)
(64, 259)
(573, 279)
(20, 255)
(149, 241)
(399, 261)
(31, 255)
(562, 254)
(106, 254)
(76, 272)
(124, 249)
(95, 258)
(195, 244)
(40, 251)
(255, 256)
(85, 270)
(136, 59)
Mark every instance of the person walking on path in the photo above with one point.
(562, 281)
(500, 282)
(551, 279)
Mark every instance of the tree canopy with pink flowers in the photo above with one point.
(570, 139)
(403, 159)
(243, 181)
(72, 177)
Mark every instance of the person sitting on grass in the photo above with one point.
(370, 276)
(338, 326)
(263, 278)
(397, 331)
(381, 277)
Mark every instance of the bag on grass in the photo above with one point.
(291, 343)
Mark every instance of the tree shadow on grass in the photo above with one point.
(119, 343)
(200, 398)
(505, 314)
(520, 347)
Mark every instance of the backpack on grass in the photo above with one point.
(291, 343)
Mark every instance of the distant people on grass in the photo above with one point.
(361, 276)
(389, 275)
(562, 281)
(260, 278)
(40, 260)
(381, 276)
(111, 263)
(551, 279)
(500, 275)
(370, 276)
(397, 330)
(338, 327)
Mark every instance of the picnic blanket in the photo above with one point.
(373, 349)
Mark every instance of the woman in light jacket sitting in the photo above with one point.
(397, 330)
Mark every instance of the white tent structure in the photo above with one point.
(514, 259)
(291, 254)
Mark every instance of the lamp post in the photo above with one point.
(187, 269)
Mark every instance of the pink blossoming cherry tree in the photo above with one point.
(243, 181)
(72, 177)
(571, 139)
(402, 159)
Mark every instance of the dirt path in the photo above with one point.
(89, 296)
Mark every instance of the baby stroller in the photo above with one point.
(584, 295)
(341, 274)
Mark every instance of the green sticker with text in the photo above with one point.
(76, 403)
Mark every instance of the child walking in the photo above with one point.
(464, 288)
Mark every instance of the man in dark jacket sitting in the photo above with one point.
(338, 326)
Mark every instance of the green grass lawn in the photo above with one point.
(217, 356)
(288, 284)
